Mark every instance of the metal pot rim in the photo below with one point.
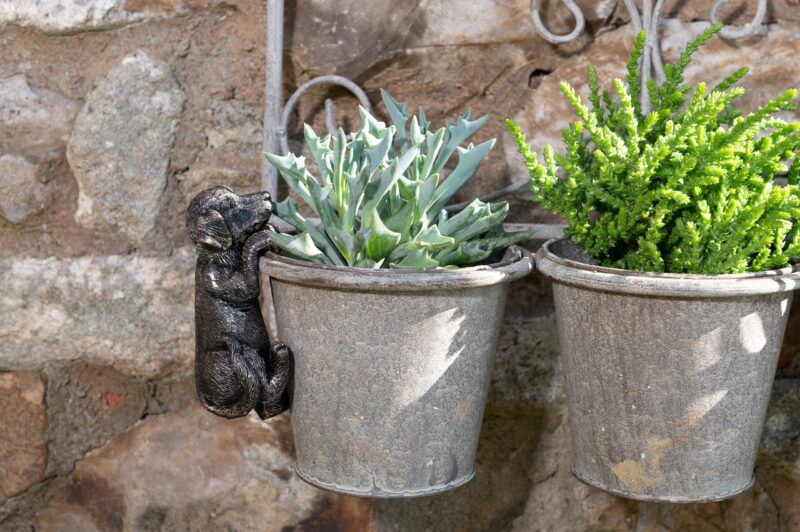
(516, 263)
(577, 270)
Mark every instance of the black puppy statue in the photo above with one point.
(237, 368)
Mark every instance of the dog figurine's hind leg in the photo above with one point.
(237, 367)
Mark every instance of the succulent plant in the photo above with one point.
(381, 194)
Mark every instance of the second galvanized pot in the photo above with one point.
(668, 376)
(391, 369)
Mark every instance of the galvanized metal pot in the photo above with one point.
(668, 376)
(391, 369)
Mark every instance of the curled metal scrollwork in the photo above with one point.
(291, 103)
(649, 20)
(580, 23)
(740, 32)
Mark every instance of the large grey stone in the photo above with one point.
(128, 311)
(21, 193)
(72, 16)
(120, 147)
(65, 16)
(737, 12)
(383, 29)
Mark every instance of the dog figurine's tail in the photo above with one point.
(275, 399)
(233, 380)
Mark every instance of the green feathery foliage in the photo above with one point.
(381, 196)
(687, 188)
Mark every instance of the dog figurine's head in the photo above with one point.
(218, 219)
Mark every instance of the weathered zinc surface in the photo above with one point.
(666, 409)
(99, 428)
(391, 367)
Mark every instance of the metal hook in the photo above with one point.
(739, 32)
(580, 23)
(304, 88)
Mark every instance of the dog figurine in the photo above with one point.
(237, 368)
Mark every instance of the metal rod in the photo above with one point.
(273, 93)
(655, 23)
(330, 118)
(647, 56)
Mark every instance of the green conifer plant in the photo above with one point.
(382, 192)
(686, 188)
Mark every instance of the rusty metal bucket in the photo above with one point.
(668, 376)
(391, 369)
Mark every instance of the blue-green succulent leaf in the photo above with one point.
(298, 246)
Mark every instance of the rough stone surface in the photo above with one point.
(173, 392)
(120, 147)
(416, 25)
(87, 405)
(232, 134)
(526, 362)
(34, 122)
(738, 12)
(34, 126)
(21, 194)
(22, 424)
(133, 312)
(505, 21)
(186, 470)
(102, 308)
(70, 16)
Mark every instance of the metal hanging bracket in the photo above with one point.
(649, 20)
(276, 115)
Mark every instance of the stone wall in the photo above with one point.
(113, 113)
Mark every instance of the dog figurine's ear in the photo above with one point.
(212, 231)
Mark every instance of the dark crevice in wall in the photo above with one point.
(537, 76)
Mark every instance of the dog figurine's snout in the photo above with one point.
(237, 368)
